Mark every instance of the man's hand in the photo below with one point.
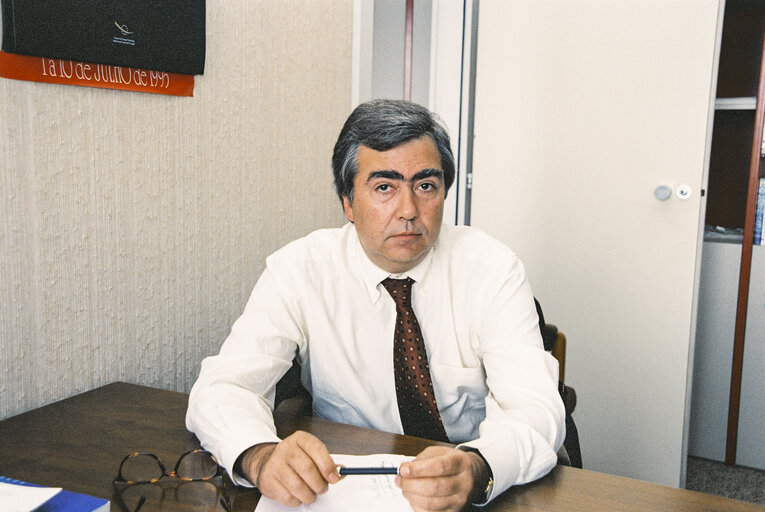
(441, 478)
(293, 471)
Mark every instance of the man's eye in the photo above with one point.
(427, 186)
(383, 188)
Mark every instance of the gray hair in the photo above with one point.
(382, 125)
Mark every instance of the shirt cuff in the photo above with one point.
(504, 461)
(490, 484)
(234, 442)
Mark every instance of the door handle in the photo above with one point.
(662, 192)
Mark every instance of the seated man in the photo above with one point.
(401, 323)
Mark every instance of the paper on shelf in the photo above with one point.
(23, 498)
(371, 493)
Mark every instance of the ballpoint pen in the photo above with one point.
(343, 471)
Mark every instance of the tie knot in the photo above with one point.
(400, 290)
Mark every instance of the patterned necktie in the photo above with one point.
(414, 388)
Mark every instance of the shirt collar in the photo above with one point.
(374, 275)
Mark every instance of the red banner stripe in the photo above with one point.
(59, 71)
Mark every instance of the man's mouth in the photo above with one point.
(406, 235)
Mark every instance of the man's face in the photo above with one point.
(398, 203)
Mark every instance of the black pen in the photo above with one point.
(343, 471)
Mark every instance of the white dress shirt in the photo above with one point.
(321, 298)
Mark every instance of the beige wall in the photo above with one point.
(133, 226)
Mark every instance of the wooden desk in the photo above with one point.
(79, 442)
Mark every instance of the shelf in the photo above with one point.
(746, 103)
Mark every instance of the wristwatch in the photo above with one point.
(482, 498)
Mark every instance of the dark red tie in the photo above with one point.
(414, 387)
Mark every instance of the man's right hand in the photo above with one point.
(291, 472)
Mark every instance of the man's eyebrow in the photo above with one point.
(390, 175)
(395, 175)
(428, 173)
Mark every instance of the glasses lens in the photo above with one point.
(190, 494)
(172, 495)
(141, 468)
(148, 496)
(197, 465)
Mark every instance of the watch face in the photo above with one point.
(489, 488)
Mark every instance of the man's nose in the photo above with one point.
(407, 204)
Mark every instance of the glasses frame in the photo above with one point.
(165, 473)
(225, 501)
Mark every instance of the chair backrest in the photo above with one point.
(554, 341)
(559, 352)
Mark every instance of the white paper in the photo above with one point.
(370, 493)
(23, 498)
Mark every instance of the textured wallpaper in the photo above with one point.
(133, 226)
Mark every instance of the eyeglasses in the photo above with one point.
(138, 469)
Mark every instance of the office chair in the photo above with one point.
(555, 342)
(291, 396)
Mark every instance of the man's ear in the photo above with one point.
(347, 208)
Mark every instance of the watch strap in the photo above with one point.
(482, 498)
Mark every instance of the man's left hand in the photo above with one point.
(443, 479)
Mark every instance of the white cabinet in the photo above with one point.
(750, 450)
(718, 294)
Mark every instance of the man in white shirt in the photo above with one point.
(324, 299)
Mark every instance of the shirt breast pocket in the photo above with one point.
(461, 395)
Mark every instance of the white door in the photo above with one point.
(582, 109)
